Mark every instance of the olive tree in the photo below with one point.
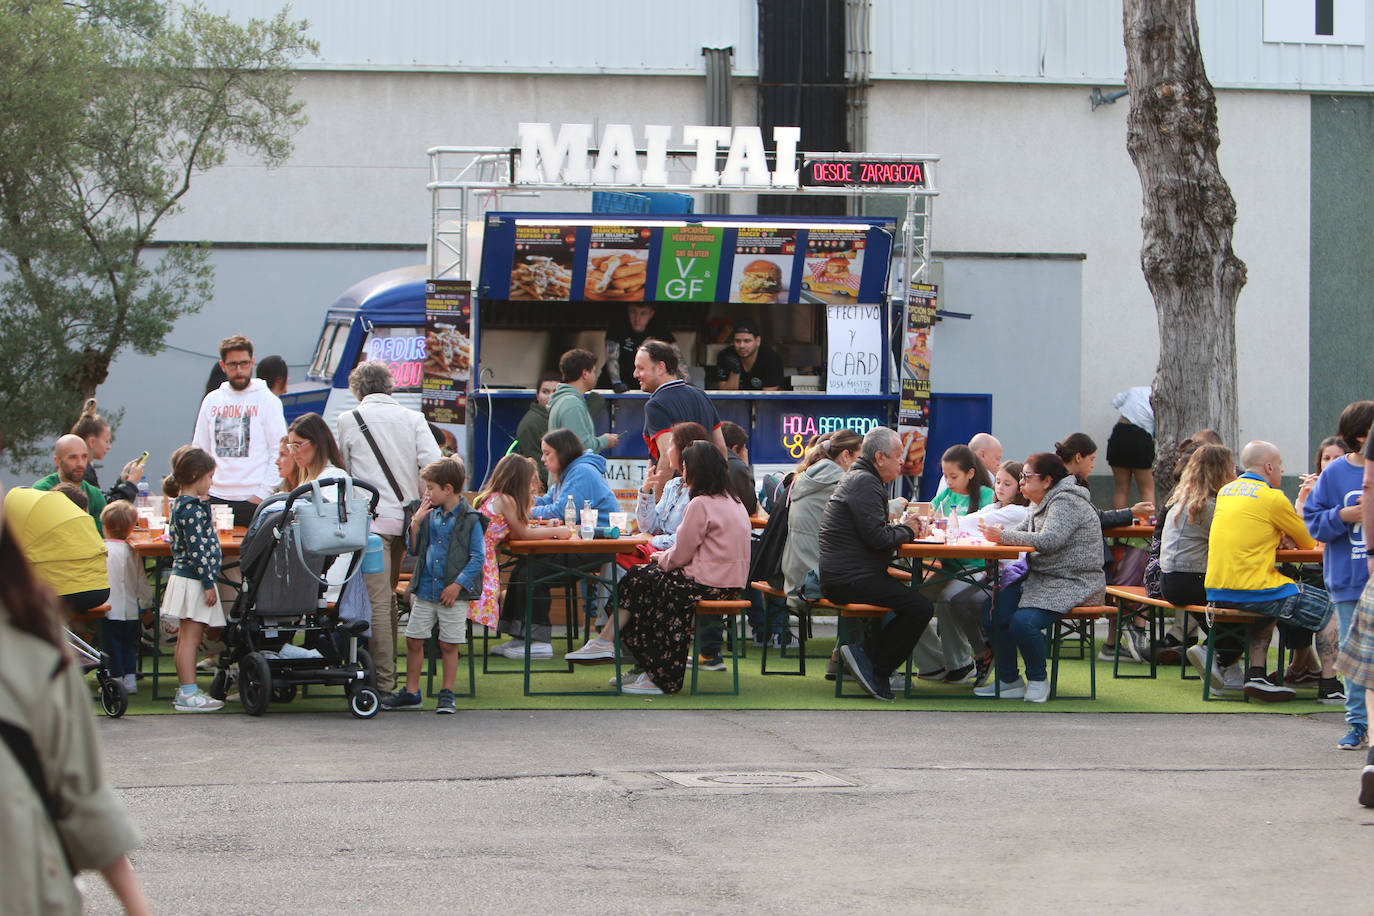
(108, 110)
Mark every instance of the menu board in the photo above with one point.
(543, 265)
(913, 423)
(617, 264)
(834, 266)
(689, 263)
(448, 351)
(764, 258)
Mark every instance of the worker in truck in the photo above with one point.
(623, 337)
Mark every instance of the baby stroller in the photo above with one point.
(284, 568)
(114, 699)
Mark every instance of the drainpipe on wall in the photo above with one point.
(718, 109)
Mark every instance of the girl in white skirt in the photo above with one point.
(191, 595)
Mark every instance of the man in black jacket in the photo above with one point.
(856, 548)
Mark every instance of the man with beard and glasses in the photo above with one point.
(241, 424)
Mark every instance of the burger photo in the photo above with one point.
(760, 282)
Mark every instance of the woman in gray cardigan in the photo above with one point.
(1065, 538)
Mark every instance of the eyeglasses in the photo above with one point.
(239, 364)
(294, 446)
(1029, 475)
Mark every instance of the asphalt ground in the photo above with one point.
(564, 811)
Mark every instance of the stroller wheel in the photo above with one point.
(114, 699)
(255, 683)
(364, 702)
(283, 693)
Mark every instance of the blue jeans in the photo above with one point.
(1355, 712)
(1021, 629)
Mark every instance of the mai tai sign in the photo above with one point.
(566, 158)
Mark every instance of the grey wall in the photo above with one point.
(1023, 344)
(276, 296)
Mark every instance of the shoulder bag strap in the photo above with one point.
(390, 477)
(25, 754)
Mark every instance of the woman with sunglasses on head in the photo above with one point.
(1065, 571)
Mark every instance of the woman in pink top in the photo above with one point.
(710, 559)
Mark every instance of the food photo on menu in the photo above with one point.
(760, 280)
(448, 353)
(616, 275)
(541, 276)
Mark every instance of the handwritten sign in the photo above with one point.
(855, 336)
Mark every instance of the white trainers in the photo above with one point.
(642, 685)
(515, 649)
(130, 684)
(596, 649)
(1036, 691)
(1011, 690)
(200, 701)
(504, 648)
(1197, 657)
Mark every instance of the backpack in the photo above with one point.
(766, 553)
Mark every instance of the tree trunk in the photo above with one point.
(1186, 255)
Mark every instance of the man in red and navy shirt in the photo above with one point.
(671, 400)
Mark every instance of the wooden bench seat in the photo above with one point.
(708, 607)
(1228, 624)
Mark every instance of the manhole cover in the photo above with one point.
(773, 779)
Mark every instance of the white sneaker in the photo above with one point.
(515, 649)
(200, 701)
(897, 682)
(596, 649)
(504, 649)
(1036, 691)
(130, 684)
(1197, 657)
(642, 685)
(1011, 690)
(1233, 677)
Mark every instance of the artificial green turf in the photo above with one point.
(1165, 694)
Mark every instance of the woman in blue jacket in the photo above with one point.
(574, 473)
(1332, 515)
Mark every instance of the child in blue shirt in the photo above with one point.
(1332, 515)
(446, 537)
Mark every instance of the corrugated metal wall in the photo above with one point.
(1079, 41)
(524, 36)
(1035, 41)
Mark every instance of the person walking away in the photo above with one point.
(386, 445)
(445, 536)
(60, 816)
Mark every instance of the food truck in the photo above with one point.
(844, 301)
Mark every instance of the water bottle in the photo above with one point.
(145, 499)
(952, 526)
(588, 528)
(373, 561)
(570, 514)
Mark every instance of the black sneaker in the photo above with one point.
(706, 662)
(402, 700)
(1259, 687)
(856, 660)
(1330, 692)
(445, 706)
(1367, 786)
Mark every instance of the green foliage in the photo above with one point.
(108, 109)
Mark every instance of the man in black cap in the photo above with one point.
(748, 365)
